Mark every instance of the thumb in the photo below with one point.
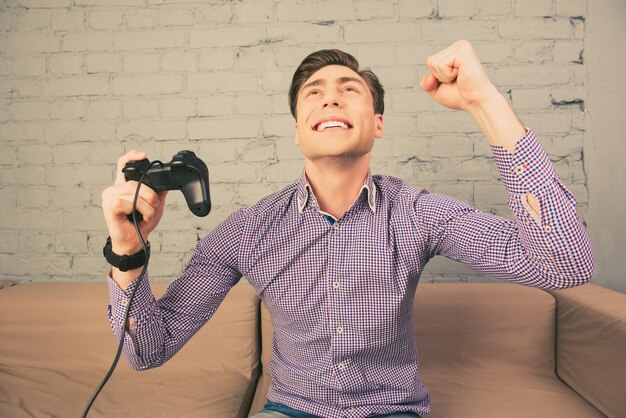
(430, 84)
(133, 155)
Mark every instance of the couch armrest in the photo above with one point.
(591, 345)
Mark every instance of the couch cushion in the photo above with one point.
(485, 350)
(56, 345)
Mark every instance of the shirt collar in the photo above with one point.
(305, 190)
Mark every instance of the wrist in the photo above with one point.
(498, 121)
(490, 101)
(125, 249)
(125, 261)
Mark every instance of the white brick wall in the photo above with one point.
(83, 81)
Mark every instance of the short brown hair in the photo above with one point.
(325, 57)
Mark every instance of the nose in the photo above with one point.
(331, 99)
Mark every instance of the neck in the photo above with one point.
(336, 183)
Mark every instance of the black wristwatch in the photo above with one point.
(125, 262)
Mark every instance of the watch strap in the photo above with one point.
(125, 262)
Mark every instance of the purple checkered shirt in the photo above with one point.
(341, 294)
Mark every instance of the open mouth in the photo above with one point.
(330, 124)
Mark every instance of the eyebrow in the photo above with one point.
(340, 80)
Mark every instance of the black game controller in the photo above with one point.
(185, 172)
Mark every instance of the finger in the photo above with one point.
(145, 208)
(133, 155)
(146, 193)
(430, 84)
(162, 196)
(443, 65)
(435, 68)
(445, 73)
(128, 189)
(450, 64)
(122, 206)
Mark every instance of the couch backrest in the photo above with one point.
(591, 345)
(484, 325)
(487, 326)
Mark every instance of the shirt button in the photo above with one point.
(520, 169)
(342, 366)
(336, 285)
(351, 409)
(336, 225)
(124, 302)
(548, 228)
(339, 330)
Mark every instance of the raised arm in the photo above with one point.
(546, 245)
(458, 81)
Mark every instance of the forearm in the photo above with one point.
(556, 241)
(501, 127)
(521, 250)
(141, 312)
(125, 278)
(498, 121)
(158, 329)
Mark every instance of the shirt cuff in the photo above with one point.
(528, 169)
(120, 298)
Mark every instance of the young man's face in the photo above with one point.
(335, 115)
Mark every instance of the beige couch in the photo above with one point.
(486, 350)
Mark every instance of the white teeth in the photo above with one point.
(331, 124)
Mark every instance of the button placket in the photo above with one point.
(334, 299)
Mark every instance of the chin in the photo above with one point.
(339, 155)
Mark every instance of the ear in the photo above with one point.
(378, 125)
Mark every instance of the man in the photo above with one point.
(336, 256)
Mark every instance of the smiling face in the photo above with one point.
(335, 115)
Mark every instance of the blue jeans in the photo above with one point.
(277, 410)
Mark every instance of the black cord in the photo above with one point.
(132, 295)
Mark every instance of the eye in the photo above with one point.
(350, 89)
(312, 93)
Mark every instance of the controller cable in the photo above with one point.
(132, 295)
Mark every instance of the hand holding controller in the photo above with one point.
(186, 172)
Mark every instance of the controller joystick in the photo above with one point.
(186, 172)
